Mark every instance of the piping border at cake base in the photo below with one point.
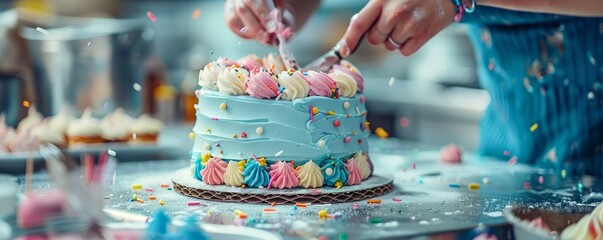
(186, 184)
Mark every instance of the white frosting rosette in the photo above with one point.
(345, 83)
(295, 85)
(209, 75)
(274, 63)
(589, 227)
(231, 81)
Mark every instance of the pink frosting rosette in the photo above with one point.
(261, 84)
(320, 84)
(251, 62)
(213, 173)
(282, 175)
(354, 177)
(347, 68)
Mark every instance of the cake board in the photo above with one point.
(186, 184)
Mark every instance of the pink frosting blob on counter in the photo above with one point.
(451, 154)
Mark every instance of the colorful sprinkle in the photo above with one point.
(148, 190)
(512, 161)
(336, 123)
(278, 153)
(321, 143)
(223, 106)
(42, 30)
(355, 206)
(214, 118)
(269, 210)
(486, 180)
(111, 152)
(330, 113)
(414, 166)
(137, 87)
(315, 110)
(25, 104)
(196, 13)
(140, 200)
(473, 186)
(347, 139)
(136, 186)
(346, 105)
(208, 130)
(152, 198)
(191, 135)
(375, 220)
(541, 179)
(302, 205)
(234, 135)
(259, 131)
(323, 214)
(527, 185)
(454, 185)
(244, 135)
(381, 133)
(534, 127)
(194, 203)
(373, 201)
(164, 185)
(404, 122)
(396, 199)
(151, 16)
(506, 153)
(362, 99)
(312, 113)
(392, 81)
(161, 202)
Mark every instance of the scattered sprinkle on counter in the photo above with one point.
(473, 186)
(137, 87)
(375, 220)
(454, 185)
(148, 190)
(151, 16)
(392, 81)
(380, 132)
(165, 185)
(194, 203)
(301, 205)
(414, 166)
(269, 210)
(486, 180)
(136, 187)
(161, 202)
(512, 161)
(541, 179)
(355, 206)
(396, 199)
(323, 214)
(534, 127)
(152, 198)
(373, 201)
(223, 106)
(196, 13)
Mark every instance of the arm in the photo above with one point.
(585, 8)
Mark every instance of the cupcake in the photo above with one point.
(61, 121)
(6, 134)
(531, 223)
(145, 129)
(86, 130)
(44, 133)
(23, 141)
(33, 118)
(116, 126)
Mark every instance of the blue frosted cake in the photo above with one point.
(259, 125)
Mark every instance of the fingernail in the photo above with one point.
(344, 50)
(271, 25)
(354, 17)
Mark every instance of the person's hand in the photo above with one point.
(250, 19)
(403, 25)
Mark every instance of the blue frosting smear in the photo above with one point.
(287, 127)
(198, 168)
(340, 172)
(255, 175)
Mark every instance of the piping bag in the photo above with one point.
(281, 32)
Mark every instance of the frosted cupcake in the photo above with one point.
(33, 118)
(6, 134)
(86, 130)
(116, 126)
(61, 121)
(44, 133)
(145, 129)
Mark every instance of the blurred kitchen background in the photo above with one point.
(108, 53)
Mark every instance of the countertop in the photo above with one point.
(435, 200)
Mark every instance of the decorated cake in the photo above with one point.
(259, 125)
